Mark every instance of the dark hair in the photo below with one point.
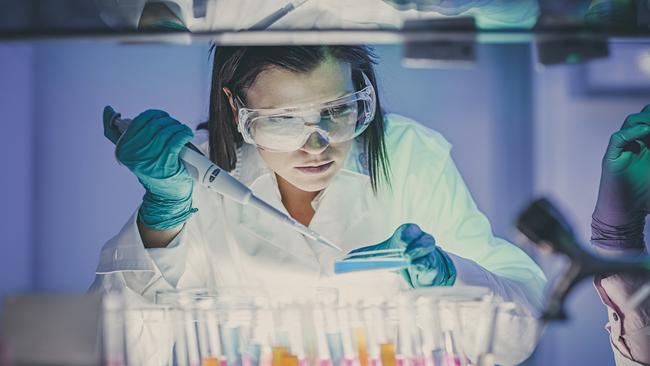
(237, 67)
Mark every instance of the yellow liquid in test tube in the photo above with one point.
(278, 355)
(210, 361)
(362, 346)
(290, 360)
(387, 354)
(281, 357)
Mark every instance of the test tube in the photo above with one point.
(148, 334)
(349, 356)
(279, 354)
(428, 320)
(408, 342)
(453, 353)
(260, 353)
(333, 329)
(362, 345)
(288, 334)
(113, 330)
(481, 315)
(231, 347)
(214, 355)
(387, 354)
(389, 333)
(189, 324)
(375, 324)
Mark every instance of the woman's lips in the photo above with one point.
(315, 169)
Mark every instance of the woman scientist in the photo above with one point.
(304, 129)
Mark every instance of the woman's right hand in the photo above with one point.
(150, 148)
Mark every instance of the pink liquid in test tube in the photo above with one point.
(114, 363)
(450, 360)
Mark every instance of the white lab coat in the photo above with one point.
(227, 244)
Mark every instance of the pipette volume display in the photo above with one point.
(202, 170)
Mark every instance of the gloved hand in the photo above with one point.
(624, 194)
(150, 148)
(430, 265)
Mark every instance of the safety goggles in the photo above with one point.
(288, 129)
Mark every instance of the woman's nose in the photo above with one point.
(315, 144)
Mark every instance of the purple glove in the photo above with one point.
(624, 194)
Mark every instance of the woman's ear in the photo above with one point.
(231, 100)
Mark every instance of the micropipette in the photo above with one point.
(208, 174)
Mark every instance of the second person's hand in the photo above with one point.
(624, 193)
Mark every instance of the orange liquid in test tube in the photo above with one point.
(387, 354)
(290, 360)
(362, 346)
(210, 361)
(278, 355)
(281, 357)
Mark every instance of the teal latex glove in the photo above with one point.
(150, 148)
(624, 193)
(430, 265)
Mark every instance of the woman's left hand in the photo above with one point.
(430, 265)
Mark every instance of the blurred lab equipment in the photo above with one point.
(204, 172)
(544, 225)
(49, 329)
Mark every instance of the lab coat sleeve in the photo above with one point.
(629, 329)
(170, 260)
(126, 263)
(434, 195)
(481, 259)
(127, 268)
(441, 203)
(484, 260)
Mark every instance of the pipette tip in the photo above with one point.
(328, 243)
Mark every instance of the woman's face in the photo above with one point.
(311, 167)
